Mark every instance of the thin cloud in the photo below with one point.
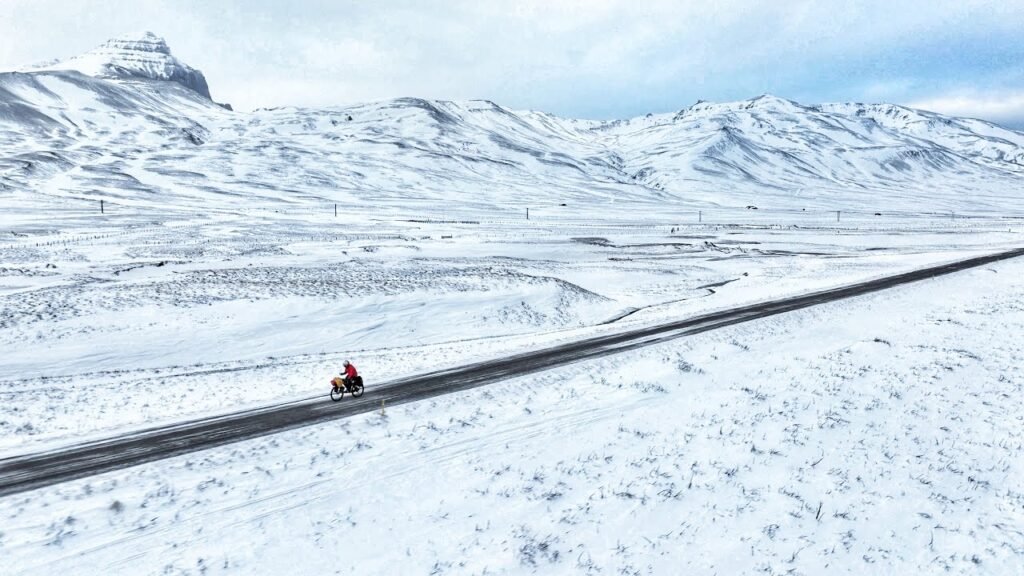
(1002, 108)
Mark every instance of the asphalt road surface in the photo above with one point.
(36, 470)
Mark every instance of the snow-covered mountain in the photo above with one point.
(131, 122)
(784, 147)
(137, 56)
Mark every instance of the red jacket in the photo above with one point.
(350, 372)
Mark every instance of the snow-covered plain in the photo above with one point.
(876, 435)
(165, 324)
(869, 436)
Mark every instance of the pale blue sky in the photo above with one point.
(581, 58)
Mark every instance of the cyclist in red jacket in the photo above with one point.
(350, 374)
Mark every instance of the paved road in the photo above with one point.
(31, 471)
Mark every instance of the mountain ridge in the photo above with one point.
(134, 127)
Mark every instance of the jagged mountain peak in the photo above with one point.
(143, 55)
(145, 41)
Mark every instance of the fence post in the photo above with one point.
(527, 213)
(101, 206)
(700, 215)
(335, 210)
(837, 215)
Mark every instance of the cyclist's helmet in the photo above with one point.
(345, 363)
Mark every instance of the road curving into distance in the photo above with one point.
(37, 470)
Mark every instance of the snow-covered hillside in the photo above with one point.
(130, 123)
(838, 153)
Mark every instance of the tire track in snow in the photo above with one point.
(35, 470)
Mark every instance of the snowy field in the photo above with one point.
(107, 329)
(876, 435)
